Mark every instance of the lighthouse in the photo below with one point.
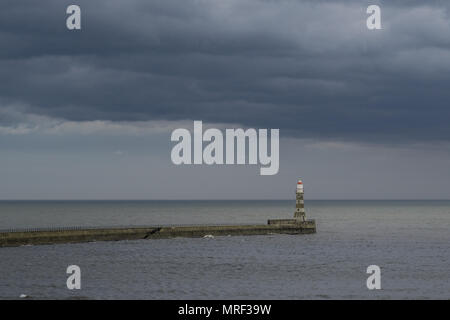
(299, 221)
(300, 203)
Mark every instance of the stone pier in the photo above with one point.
(298, 225)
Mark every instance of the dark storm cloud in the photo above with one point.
(310, 68)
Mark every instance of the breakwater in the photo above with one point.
(298, 225)
(37, 237)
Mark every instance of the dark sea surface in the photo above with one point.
(409, 240)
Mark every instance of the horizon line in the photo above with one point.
(284, 199)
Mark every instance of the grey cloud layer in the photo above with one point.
(310, 68)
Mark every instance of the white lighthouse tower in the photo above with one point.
(300, 203)
(299, 221)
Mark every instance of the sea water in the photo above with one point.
(408, 240)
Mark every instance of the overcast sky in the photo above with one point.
(363, 114)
